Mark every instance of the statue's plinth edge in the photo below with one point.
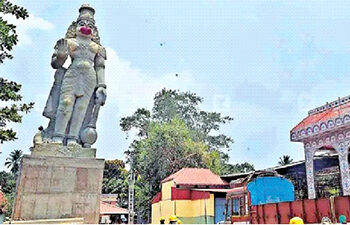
(56, 187)
(58, 150)
(78, 220)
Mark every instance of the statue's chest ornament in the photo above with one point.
(83, 50)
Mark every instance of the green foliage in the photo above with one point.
(168, 148)
(237, 168)
(7, 182)
(8, 36)
(9, 90)
(115, 181)
(139, 120)
(13, 161)
(285, 160)
(173, 135)
(169, 104)
(8, 186)
(10, 197)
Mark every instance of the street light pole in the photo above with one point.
(131, 194)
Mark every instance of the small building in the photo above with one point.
(195, 196)
(111, 214)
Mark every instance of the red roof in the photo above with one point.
(157, 198)
(326, 117)
(106, 208)
(195, 176)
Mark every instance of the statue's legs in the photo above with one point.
(63, 115)
(79, 111)
(76, 91)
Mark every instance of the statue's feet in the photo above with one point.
(57, 140)
(72, 143)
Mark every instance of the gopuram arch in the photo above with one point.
(326, 127)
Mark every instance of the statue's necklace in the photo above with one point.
(84, 49)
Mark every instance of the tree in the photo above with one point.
(183, 105)
(8, 36)
(9, 90)
(238, 168)
(284, 160)
(174, 135)
(7, 182)
(115, 181)
(8, 186)
(13, 161)
(168, 148)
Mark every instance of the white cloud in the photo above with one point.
(24, 26)
(130, 88)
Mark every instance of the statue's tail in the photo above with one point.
(54, 97)
(52, 102)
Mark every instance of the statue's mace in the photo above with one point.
(89, 135)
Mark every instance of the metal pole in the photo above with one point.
(131, 195)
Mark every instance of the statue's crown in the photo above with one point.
(86, 12)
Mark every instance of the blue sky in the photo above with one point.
(265, 63)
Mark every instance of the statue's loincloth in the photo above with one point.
(79, 83)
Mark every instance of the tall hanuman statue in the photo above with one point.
(80, 90)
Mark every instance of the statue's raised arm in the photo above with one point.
(80, 90)
(60, 55)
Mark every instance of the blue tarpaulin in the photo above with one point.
(270, 190)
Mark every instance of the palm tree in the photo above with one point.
(14, 160)
(284, 160)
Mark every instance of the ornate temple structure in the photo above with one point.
(326, 129)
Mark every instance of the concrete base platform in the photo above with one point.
(50, 221)
(57, 150)
(58, 187)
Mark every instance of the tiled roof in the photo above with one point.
(324, 118)
(195, 176)
(106, 208)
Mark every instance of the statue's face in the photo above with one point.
(84, 28)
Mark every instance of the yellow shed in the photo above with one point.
(195, 196)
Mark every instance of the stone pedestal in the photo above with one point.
(52, 185)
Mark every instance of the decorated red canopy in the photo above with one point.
(323, 119)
